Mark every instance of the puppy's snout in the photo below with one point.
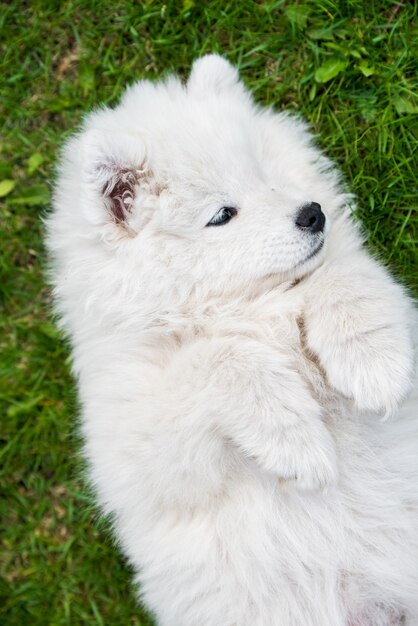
(311, 218)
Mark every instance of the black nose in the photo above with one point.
(311, 218)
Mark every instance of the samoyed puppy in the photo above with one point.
(244, 365)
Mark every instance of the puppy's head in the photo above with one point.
(198, 185)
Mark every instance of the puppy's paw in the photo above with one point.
(309, 465)
(298, 449)
(374, 368)
(358, 322)
(297, 445)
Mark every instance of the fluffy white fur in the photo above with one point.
(232, 391)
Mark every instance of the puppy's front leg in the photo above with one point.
(257, 401)
(357, 321)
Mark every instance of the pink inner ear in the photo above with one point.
(120, 192)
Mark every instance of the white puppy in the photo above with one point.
(236, 349)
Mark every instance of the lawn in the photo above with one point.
(347, 66)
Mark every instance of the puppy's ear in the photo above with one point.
(213, 74)
(114, 167)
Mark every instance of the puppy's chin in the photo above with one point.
(310, 263)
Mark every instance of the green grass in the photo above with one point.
(349, 67)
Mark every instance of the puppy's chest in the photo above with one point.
(290, 338)
(286, 334)
(279, 326)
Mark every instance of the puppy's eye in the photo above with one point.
(222, 216)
